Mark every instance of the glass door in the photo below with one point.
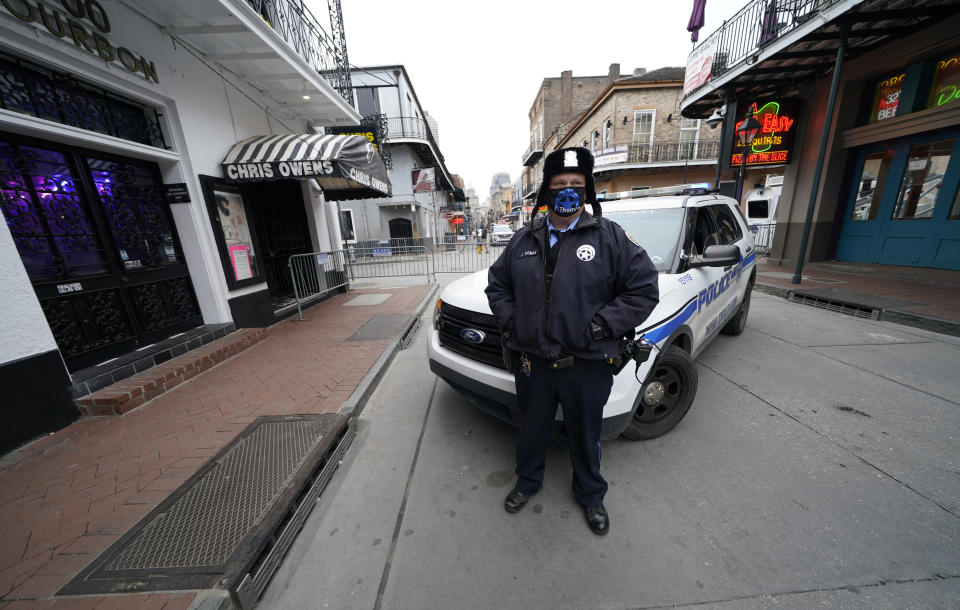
(99, 246)
(903, 205)
(861, 226)
(918, 231)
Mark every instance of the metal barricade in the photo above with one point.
(316, 274)
(762, 238)
(389, 258)
(463, 256)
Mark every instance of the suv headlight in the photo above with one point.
(436, 315)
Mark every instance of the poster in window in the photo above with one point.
(423, 180)
(232, 214)
(240, 259)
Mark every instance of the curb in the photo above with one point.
(892, 315)
(358, 399)
(916, 320)
(774, 290)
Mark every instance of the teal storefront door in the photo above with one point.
(904, 208)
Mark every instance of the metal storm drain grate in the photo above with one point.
(230, 524)
(383, 326)
(858, 311)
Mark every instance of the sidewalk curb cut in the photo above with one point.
(358, 399)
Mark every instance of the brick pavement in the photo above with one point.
(66, 497)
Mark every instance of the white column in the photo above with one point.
(317, 219)
(24, 331)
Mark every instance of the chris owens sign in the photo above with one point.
(774, 141)
(62, 20)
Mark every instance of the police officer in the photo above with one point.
(563, 291)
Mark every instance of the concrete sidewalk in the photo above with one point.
(919, 297)
(66, 497)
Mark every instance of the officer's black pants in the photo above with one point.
(582, 390)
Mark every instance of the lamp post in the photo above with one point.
(746, 133)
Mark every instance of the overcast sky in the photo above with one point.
(477, 66)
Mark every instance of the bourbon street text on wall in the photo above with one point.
(92, 40)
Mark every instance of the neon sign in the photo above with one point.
(774, 141)
(886, 100)
(946, 83)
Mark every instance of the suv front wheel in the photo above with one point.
(666, 396)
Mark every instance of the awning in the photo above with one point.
(345, 167)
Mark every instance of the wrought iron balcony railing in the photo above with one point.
(533, 153)
(529, 190)
(408, 127)
(412, 127)
(755, 26)
(326, 53)
(670, 151)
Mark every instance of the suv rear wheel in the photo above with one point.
(738, 323)
(666, 397)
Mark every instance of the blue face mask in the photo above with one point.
(566, 201)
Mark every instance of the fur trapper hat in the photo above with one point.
(574, 159)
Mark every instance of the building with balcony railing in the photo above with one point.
(423, 187)
(124, 221)
(856, 101)
(638, 138)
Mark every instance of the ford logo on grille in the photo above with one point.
(471, 335)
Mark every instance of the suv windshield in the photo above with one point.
(502, 229)
(657, 231)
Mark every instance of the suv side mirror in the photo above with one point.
(716, 256)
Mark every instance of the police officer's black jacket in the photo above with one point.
(599, 271)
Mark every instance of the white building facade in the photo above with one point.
(419, 177)
(120, 230)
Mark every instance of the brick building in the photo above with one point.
(631, 123)
(638, 138)
(559, 101)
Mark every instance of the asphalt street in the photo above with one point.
(818, 467)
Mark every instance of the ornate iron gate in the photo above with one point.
(99, 245)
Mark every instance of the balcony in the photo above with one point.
(769, 47)
(533, 154)
(416, 131)
(530, 191)
(408, 127)
(660, 153)
(275, 46)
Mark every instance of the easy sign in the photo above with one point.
(774, 141)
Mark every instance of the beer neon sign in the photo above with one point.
(774, 141)
(886, 101)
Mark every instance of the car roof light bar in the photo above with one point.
(699, 188)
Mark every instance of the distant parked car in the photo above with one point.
(500, 235)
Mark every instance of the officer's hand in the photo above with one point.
(598, 329)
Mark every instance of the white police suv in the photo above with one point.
(705, 254)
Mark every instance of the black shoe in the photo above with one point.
(597, 519)
(516, 500)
